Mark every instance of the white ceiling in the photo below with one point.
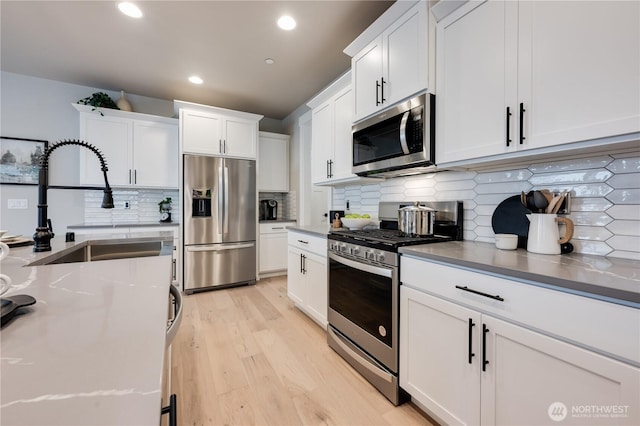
(225, 42)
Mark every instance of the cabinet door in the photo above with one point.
(436, 339)
(240, 138)
(295, 278)
(113, 137)
(367, 75)
(201, 133)
(405, 61)
(476, 80)
(321, 142)
(273, 252)
(342, 138)
(579, 68)
(155, 155)
(273, 167)
(528, 372)
(315, 274)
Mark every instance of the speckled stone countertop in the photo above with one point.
(91, 350)
(317, 230)
(610, 279)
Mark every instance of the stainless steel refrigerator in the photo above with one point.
(219, 213)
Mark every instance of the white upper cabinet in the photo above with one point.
(273, 162)
(393, 64)
(217, 131)
(141, 150)
(519, 76)
(331, 144)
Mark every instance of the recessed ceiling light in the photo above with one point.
(130, 9)
(195, 79)
(286, 22)
(269, 61)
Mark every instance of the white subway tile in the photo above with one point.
(626, 180)
(573, 177)
(625, 165)
(503, 176)
(469, 235)
(454, 175)
(422, 193)
(483, 221)
(491, 199)
(625, 196)
(571, 164)
(485, 209)
(507, 188)
(598, 204)
(624, 242)
(455, 195)
(590, 218)
(595, 233)
(625, 254)
(625, 227)
(625, 212)
(455, 185)
(591, 247)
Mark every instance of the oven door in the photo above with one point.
(363, 306)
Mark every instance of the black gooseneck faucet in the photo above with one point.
(44, 233)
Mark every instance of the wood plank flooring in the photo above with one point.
(247, 356)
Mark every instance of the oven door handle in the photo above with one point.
(376, 270)
(358, 358)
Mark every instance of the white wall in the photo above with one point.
(36, 108)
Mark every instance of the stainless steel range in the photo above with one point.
(364, 291)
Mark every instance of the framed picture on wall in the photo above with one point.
(20, 160)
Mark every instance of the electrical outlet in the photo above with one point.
(127, 205)
(17, 203)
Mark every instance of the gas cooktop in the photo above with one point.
(388, 236)
(447, 227)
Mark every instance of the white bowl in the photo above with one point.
(507, 241)
(357, 223)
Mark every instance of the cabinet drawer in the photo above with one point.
(317, 245)
(603, 326)
(275, 228)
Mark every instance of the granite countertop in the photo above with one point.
(91, 350)
(610, 279)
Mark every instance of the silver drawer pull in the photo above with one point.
(303, 242)
(490, 296)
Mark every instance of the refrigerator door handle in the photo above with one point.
(225, 223)
(220, 193)
(219, 247)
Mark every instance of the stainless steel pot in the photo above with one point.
(416, 220)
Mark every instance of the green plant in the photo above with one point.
(164, 204)
(99, 100)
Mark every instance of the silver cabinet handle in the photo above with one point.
(219, 247)
(175, 324)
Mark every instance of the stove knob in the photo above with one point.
(369, 255)
(355, 250)
(380, 257)
(343, 247)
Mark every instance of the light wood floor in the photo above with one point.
(247, 356)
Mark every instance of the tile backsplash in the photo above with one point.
(605, 206)
(143, 206)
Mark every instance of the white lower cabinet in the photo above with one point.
(465, 366)
(307, 275)
(273, 248)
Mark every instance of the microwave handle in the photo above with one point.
(403, 132)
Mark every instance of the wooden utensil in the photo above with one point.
(556, 208)
(553, 203)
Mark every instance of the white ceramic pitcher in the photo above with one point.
(544, 236)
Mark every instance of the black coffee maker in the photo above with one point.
(268, 209)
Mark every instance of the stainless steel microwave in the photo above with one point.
(400, 138)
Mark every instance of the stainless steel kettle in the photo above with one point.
(416, 220)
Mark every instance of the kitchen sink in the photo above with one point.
(92, 251)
